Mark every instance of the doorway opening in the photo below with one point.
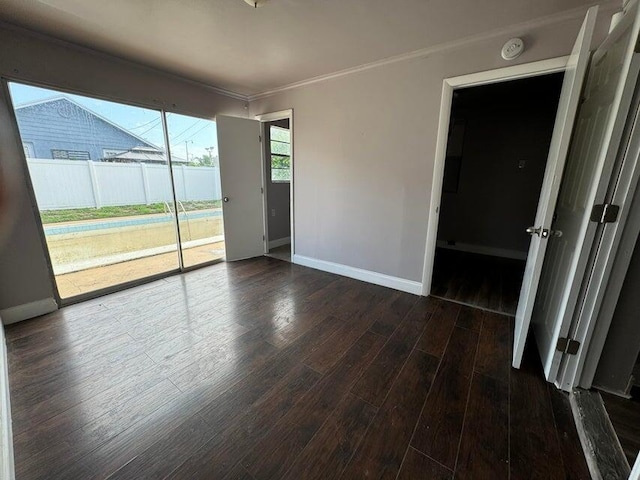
(257, 173)
(277, 181)
(496, 155)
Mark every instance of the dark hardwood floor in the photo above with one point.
(482, 281)
(266, 370)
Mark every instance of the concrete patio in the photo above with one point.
(84, 281)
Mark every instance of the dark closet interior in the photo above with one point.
(499, 137)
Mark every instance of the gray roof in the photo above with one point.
(144, 154)
(79, 105)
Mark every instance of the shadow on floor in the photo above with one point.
(483, 281)
(281, 253)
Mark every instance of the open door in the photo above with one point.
(240, 155)
(599, 128)
(567, 108)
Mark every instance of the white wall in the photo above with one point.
(365, 145)
(24, 276)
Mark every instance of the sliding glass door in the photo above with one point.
(196, 173)
(105, 192)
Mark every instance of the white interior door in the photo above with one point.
(567, 107)
(591, 158)
(240, 154)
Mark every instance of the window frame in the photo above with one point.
(271, 155)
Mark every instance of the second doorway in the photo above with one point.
(498, 142)
(277, 158)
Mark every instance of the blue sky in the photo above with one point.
(194, 134)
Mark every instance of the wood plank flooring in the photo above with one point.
(481, 281)
(262, 369)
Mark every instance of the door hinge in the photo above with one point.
(568, 346)
(259, 138)
(263, 238)
(604, 213)
(261, 190)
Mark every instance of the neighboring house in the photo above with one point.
(61, 128)
(142, 155)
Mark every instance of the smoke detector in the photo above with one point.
(512, 49)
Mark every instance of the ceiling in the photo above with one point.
(228, 44)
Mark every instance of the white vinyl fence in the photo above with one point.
(63, 184)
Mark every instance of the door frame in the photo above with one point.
(270, 117)
(505, 74)
(612, 248)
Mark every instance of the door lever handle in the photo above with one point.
(534, 230)
(541, 232)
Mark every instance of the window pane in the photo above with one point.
(279, 148)
(196, 172)
(280, 134)
(102, 185)
(279, 175)
(280, 168)
(280, 145)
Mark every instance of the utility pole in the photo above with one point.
(186, 146)
(210, 151)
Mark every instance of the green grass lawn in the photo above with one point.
(76, 214)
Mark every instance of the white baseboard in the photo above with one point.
(483, 250)
(28, 310)
(6, 436)
(396, 283)
(279, 242)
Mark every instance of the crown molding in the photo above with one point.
(565, 16)
(605, 7)
(108, 56)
